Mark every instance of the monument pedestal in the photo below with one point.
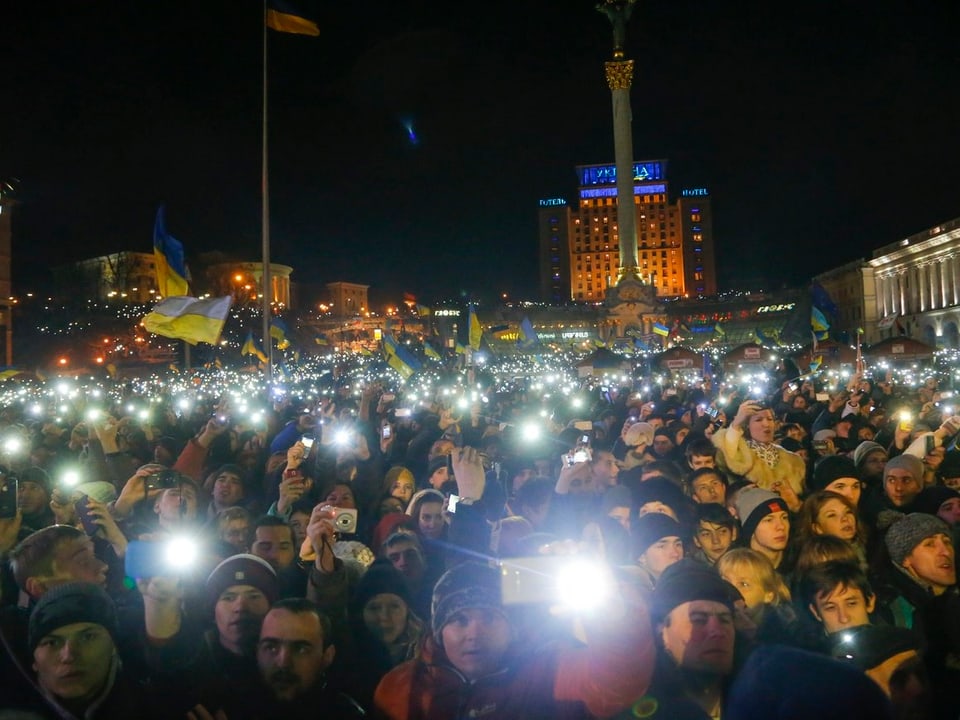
(630, 310)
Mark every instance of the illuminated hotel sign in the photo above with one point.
(775, 308)
(447, 313)
(652, 189)
(552, 202)
(607, 174)
(694, 192)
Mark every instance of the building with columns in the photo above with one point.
(918, 282)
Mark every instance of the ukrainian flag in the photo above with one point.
(430, 352)
(475, 331)
(528, 336)
(282, 16)
(189, 319)
(399, 358)
(818, 321)
(423, 310)
(660, 329)
(250, 347)
(815, 363)
(459, 349)
(280, 332)
(171, 266)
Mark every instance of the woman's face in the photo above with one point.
(403, 487)
(836, 519)
(342, 496)
(385, 616)
(431, 520)
(761, 426)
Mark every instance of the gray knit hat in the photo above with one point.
(909, 531)
(911, 464)
(754, 504)
(864, 449)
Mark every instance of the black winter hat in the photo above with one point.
(830, 468)
(652, 527)
(380, 578)
(69, 604)
(466, 586)
(686, 581)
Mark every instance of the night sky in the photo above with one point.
(823, 131)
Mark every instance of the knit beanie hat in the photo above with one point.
(653, 527)
(242, 569)
(469, 585)
(68, 604)
(931, 498)
(754, 504)
(830, 468)
(659, 489)
(436, 464)
(36, 475)
(689, 580)
(380, 578)
(908, 531)
(911, 464)
(864, 449)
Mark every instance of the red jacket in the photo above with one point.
(554, 681)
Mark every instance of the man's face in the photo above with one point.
(621, 515)
(275, 545)
(932, 562)
(168, 505)
(406, 558)
(661, 555)
(475, 641)
(701, 461)
(772, 532)
(901, 487)
(31, 498)
(238, 613)
(75, 561)
(236, 533)
(699, 636)
(341, 496)
(227, 490)
(843, 608)
(709, 489)
(848, 487)
(290, 653)
(73, 662)
(662, 445)
(439, 477)
(872, 465)
(604, 469)
(952, 483)
(714, 539)
(949, 511)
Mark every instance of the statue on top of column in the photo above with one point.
(618, 12)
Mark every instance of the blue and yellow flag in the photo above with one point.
(815, 363)
(528, 336)
(250, 347)
(399, 358)
(284, 16)
(365, 352)
(430, 352)
(660, 329)
(423, 310)
(280, 332)
(475, 331)
(718, 329)
(818, 322)
(189, 319)
(459, 349)
(168, 253)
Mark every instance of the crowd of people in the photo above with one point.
(658, 548)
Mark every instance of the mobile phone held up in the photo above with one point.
(87, 519)
(8, 497)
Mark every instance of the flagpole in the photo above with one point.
(265, 228)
